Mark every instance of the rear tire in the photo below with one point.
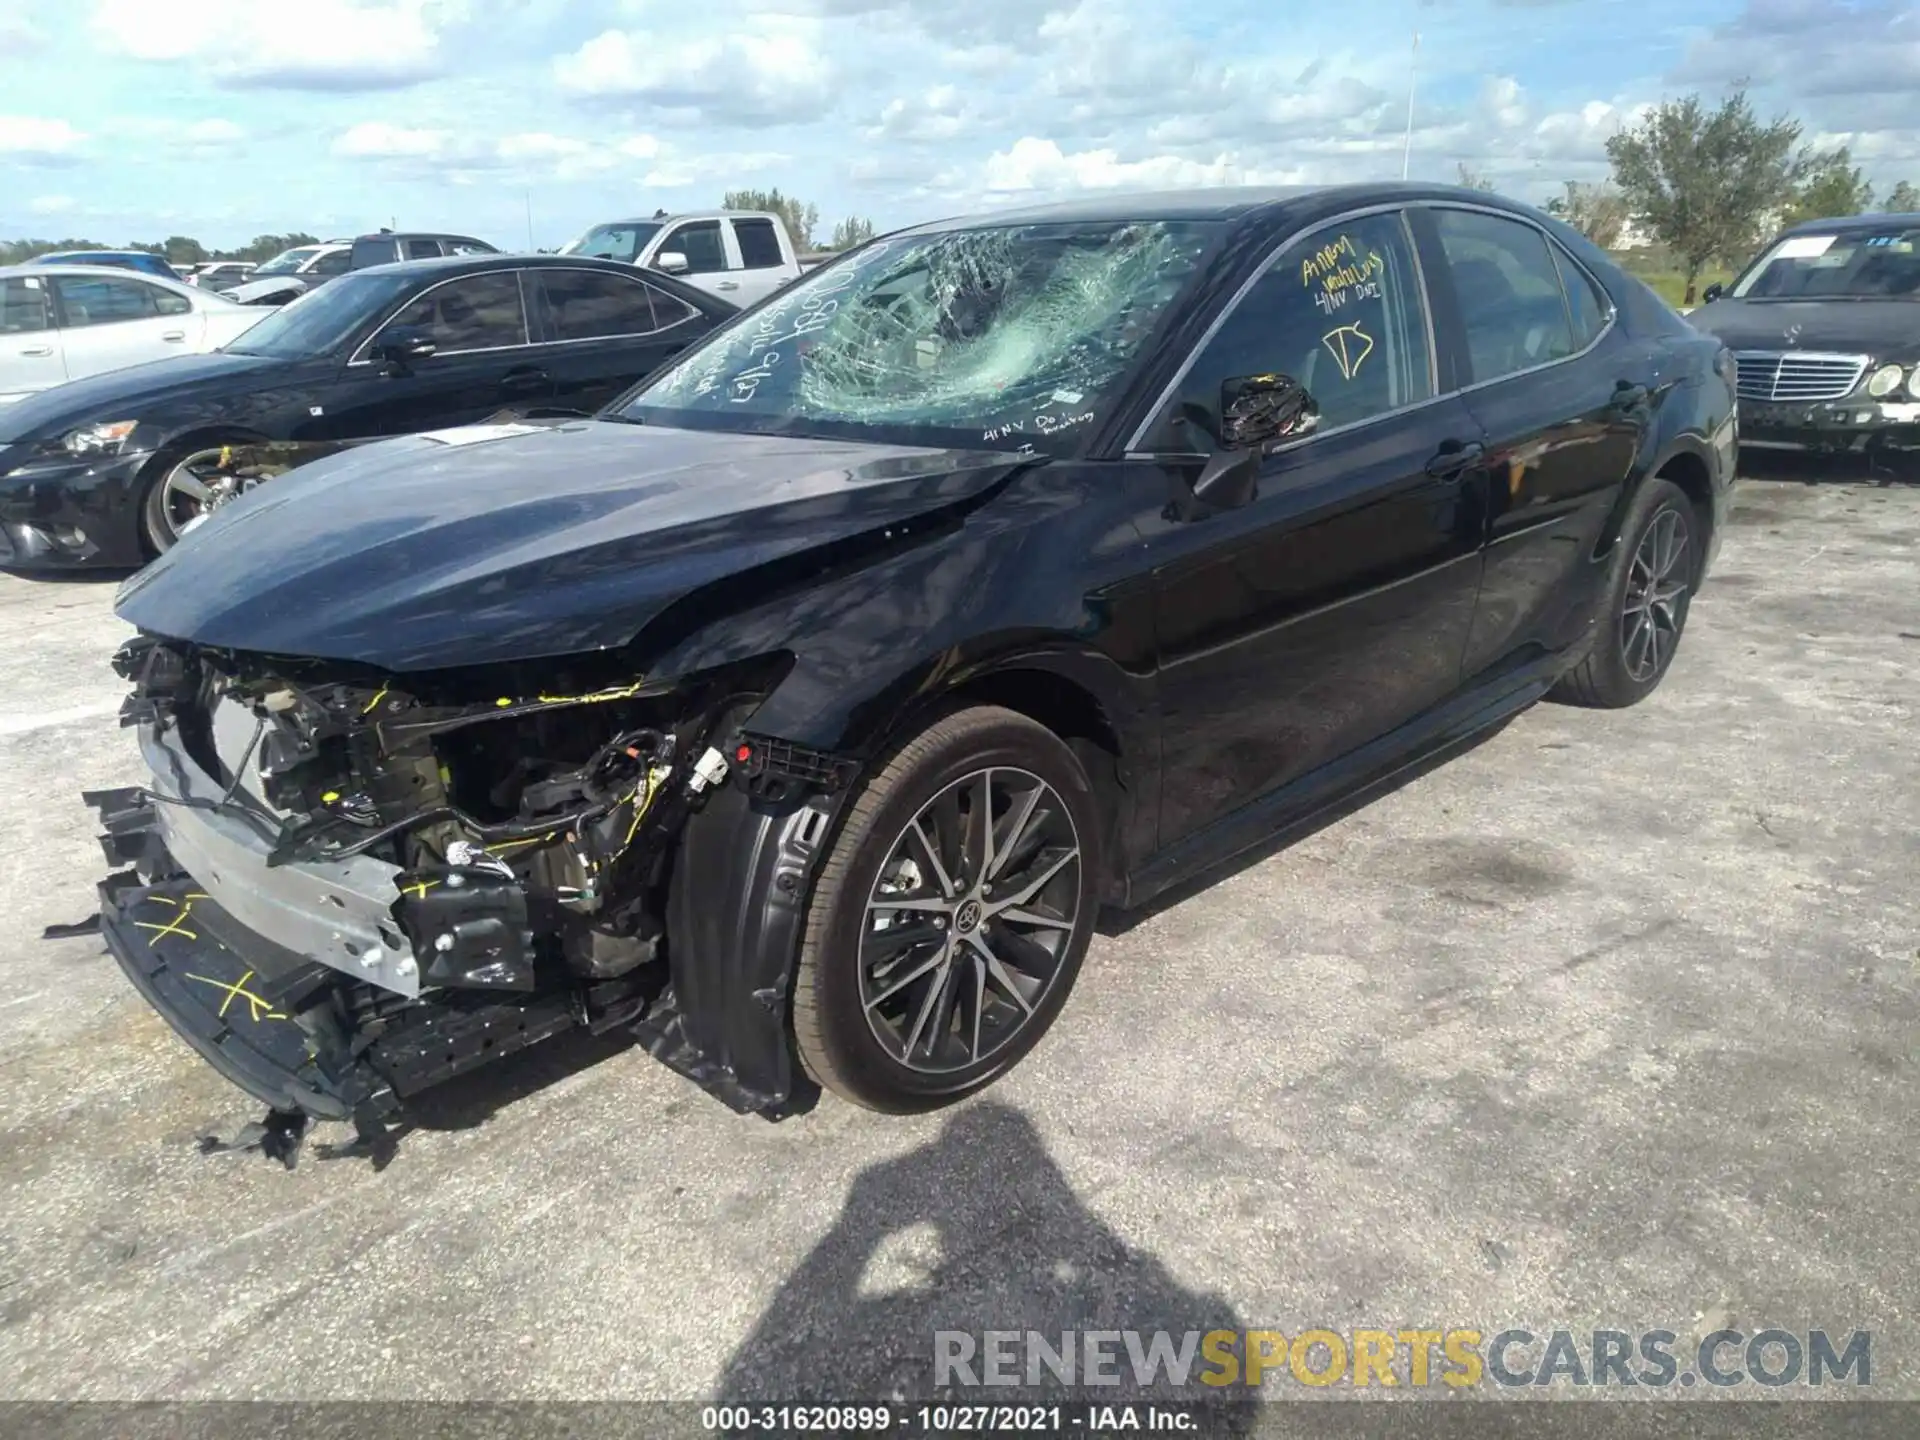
(1644, 610)
(938, 951)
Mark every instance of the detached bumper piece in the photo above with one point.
(298, 1035)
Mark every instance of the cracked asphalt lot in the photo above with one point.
(1610, 1022)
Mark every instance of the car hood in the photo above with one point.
(515, 542)
(126, 394)
(248, 291)
(1884, 329)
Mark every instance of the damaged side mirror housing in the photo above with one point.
(403, 346)
(1255, 412)
(670, 262)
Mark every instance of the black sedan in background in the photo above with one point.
(111, 470)
(1825, 325)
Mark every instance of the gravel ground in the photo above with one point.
(1610, 1022)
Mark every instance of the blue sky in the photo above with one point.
(222, 119)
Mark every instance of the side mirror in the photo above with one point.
(402, 346)
(670, 262)
(1255, 411)
(1712, 293)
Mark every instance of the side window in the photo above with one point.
(165, 302)
(423, 249)
(584, 305)
(1340, 310)
(481, 312)
(1587, 302)
(469, 247)
(669, 309)
(759, 246)
(25, 307)
(97, 301)
(1509, 288)
(337, 263)
(700, 242)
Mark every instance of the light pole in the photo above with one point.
(1413, 76)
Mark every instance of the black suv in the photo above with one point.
(802, 710)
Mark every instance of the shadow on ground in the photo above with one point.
(977, 1230)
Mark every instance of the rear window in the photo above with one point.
(759, 246)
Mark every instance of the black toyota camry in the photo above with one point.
(1825, 325)
(800, 712)
(111, 470)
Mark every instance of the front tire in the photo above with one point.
(1644, 612)
(182, 486)
(950, 919)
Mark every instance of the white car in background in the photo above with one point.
(65, 322)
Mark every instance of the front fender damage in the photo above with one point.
(571, 854)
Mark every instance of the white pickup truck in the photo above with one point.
(740, 255)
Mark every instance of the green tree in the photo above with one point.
(185, 250)
(1707, 183)
(799, 217)
(13, 252)
(1905, 199)
(265, 247)
(1598, 212)
(1836, 189)
(852, 231)
(1472, 178)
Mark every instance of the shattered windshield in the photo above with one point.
(1006, 337)
(1862, 266)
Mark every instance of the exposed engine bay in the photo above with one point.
(347, 887)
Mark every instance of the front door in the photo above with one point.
(1336, 604)
(482, 364)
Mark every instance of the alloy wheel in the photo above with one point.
(1655, 604)
(194, 488)
(970, 919)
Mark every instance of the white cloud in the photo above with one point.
(51, 204)
(1034, 166)
(376, 139)
(318, 45)
(34, 137)
(774, 74)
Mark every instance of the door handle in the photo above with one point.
(728, 285)
(1455, 459)
(38, 350)
(174, 335)
(523, 379)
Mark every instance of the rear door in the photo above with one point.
(762, 264)
(602, 331)
(1563, 396)
(483, 363)
(30, 353)
(109, 322)
(1334, 606)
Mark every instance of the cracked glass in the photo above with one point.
(1010, 337)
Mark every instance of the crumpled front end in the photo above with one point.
(345, 888)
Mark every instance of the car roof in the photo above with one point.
(74, 267)
(1850, 224)
(130, 254)
(460, 264)
(1219, 202)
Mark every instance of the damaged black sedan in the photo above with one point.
(800, 712)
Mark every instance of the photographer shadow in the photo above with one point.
(978, 1230)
